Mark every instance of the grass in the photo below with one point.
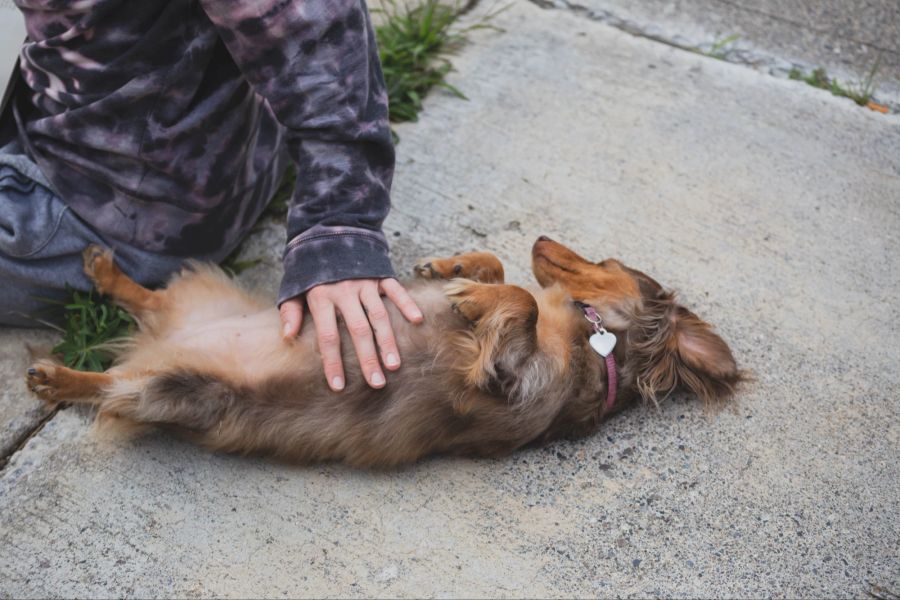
(91, 326)
(860, 92)
(414, 42)
(720, 48)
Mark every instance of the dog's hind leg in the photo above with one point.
(483, 267)
(100, 267)
(55, 383)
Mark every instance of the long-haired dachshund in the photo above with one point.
(494, 366)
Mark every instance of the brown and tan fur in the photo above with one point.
(493, 367)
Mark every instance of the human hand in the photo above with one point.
(359, 303)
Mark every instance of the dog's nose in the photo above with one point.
(544, 238)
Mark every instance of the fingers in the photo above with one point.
(322, 311)
(381, 324)
(291, 312)
(357, 323)
(363, 311)
(399, 296)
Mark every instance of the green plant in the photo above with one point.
(278, 205)
(92, 325)
(860, 92)
(720, 48)
(235, 267)
(413, 43)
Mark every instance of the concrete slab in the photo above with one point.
(771, 206)
(20, 412)
(846, 38)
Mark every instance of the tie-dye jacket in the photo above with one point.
(166, 124)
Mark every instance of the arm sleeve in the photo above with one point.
(316, 64)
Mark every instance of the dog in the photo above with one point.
(494, 367)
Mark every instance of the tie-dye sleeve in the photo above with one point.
(316, 64)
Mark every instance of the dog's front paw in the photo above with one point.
(40, 379)
(99, 266)
(478, 266)
(439, 268)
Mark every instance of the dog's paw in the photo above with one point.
(478, 266)
(99, 265)
(439, 268)
(41, 380)
(470, 299)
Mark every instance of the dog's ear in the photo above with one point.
(675, 347)
(706, 365)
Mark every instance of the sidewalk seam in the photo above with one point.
(20, 443)
(760, 61)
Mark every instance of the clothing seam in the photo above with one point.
(49, 239)
(296, 242)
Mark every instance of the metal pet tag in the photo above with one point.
(603, 342)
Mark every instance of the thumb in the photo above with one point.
(291, 312)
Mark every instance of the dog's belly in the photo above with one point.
(247, 347)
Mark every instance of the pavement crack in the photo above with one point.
(761, 61)
(805, 26)
(23, 439)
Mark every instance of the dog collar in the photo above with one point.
(603, 342)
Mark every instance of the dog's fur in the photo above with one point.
(492, 368)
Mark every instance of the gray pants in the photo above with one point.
(40, 247)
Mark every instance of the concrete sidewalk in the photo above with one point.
(845, 38)
(772, 206)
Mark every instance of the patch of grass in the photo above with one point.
(92, 324)
(414, 42)
(281, 199)
(720, 48)
(860, 92)
(234, 267)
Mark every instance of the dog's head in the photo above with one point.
(666, 345)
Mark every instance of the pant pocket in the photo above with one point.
(30, 214)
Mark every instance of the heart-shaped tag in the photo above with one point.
(603, 342)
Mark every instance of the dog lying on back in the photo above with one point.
(493, 367)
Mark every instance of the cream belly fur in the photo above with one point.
(240, 335)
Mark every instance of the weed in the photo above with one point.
(91, 326)
(860, 92)
(234, 267)
(278, 205)
(720, 48)
(414, 42)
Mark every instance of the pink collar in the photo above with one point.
(603, 342)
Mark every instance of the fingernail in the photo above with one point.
(377, 379)
(286, 330)
(337, 383)
(418, 316)
(391, 360)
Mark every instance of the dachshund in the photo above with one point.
(494, 367)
